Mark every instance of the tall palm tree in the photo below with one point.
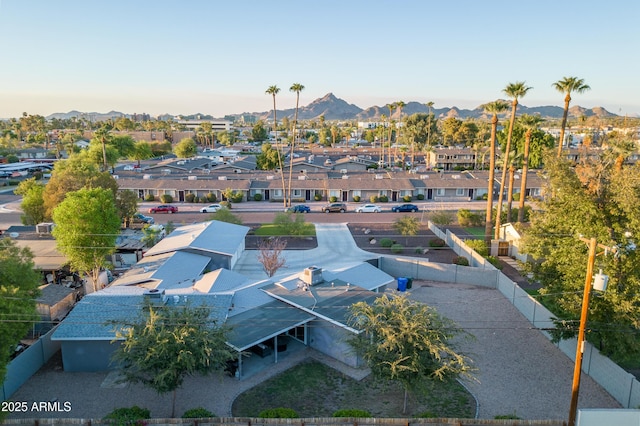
(383, 118)
(399, 106)
(566, 86)
(429, 105)
(295, 87)
(514, 91)
(530, 124)
(391, 108)
(494, 108)
(273, 91)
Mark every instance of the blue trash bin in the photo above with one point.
(402, 283)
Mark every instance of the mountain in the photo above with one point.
(93, 116)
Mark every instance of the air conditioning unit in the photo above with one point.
(147, 177)
(222, 178)
(312, 275)
(302, 177)
(345, 176)
(343, 171)
(192, 178)
(424, 177)
(270, 177)
(44, 228)
(379, 177)
(116, 177)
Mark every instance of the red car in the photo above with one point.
(163, 208)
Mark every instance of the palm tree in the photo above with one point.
(273, 91)
(514, 91)
(530, 123)
(495, 108)
(399, 106)
(391, 108)
(103, 135)
(295, 87)
(429, 105)
(381, 133)
(568, 85)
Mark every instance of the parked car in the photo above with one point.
(163, 208)
(369, 208)
(335, 208)
(300, 208)
(211, 208)
(405, 208)
(140, 218)
(128, 167)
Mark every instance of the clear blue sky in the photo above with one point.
(219, 57)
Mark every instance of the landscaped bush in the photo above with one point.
(257, 197)
(198, 413)
(317, 197)
(479, 246)
(190, 198)
(237, 197)
(437, 242)
(420, 197)
(441, 218)
(461, 260)
(128, 416)
(397, 248)
(166, 198)
(278, 413)
(373, 199)
(149, 197)
(386, 242)
(352, 413)
(469, 218)
(211, 197)
(226, 204)
(494, 261)
(333, 199)
(406, 198)
(356, 198)
(418, 250)
(383, 199)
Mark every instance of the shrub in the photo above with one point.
(190, 198)
(373, 199)
(127, 416)
(356, 198)
(494, 261)
(479, 246)
(383, 199)
(420, 197)
(317, 197)
(211, 197)
(278, 413)
(406, 198)
(441, 217)
(352, 413)
(436, 242)
(149, 197)
(386, 242)
(418, 250)
(333, 199)
(397, 248)
(461, 260)
(226, 204)
(197, 413)
(468, 218)
(166, 198)
(257, 197)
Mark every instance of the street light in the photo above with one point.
(601, 286)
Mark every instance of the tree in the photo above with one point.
(126, 205)
(19, 283)
(406, 341)
(273, 91)
(429, 105)
(32, 204)
(295, 87)
(269, 158)
(530, 122)
(514, 91)
(258, 132)
(225, 215)
(124, 144)
(103, 136)
(141, 151)
(186, 148)
(494, 108)
(168, 343)
(87, 225)
(407, 226)
(593, 200)
(566, 86)
(270, 255)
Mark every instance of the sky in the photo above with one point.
(219, 57)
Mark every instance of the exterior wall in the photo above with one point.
(87, 355)
(331, 340)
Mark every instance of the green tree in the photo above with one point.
(594, 200)
(141, 151)
(186, 148)
(18, 291)
(530, 123)
(124, 144)
(295, 87)
(407, 341)
(273, 91)
(514, 91)
(225, 215)
(168, 343)
(269, 158)
(127, 205)
(32, 204)
(103, 136)
(87, 225)
(566, 86)
(494, 108)
(407, 226)
(258, 132)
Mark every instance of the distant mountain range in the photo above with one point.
(334, 108)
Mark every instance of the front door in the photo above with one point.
(429, 194)
(307, 195)
(345, 195)
(181, 196)
(471, 194)
(266, 195)
(394, 195)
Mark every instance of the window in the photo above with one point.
(277, 192)
(334, 193)
(382, 193)
(297, 193)
(356, 193)
(440, 192)
(459, 192)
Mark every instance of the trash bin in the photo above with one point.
(409, 282)
(402, 284)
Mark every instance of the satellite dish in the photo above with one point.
(14, 235)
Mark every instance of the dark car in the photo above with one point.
(405, 208)
(163, 208)
(140, 218)
(335, 208)
(300, 208)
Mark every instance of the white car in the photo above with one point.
(211, 209)
(369, 208)
(128, 168)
